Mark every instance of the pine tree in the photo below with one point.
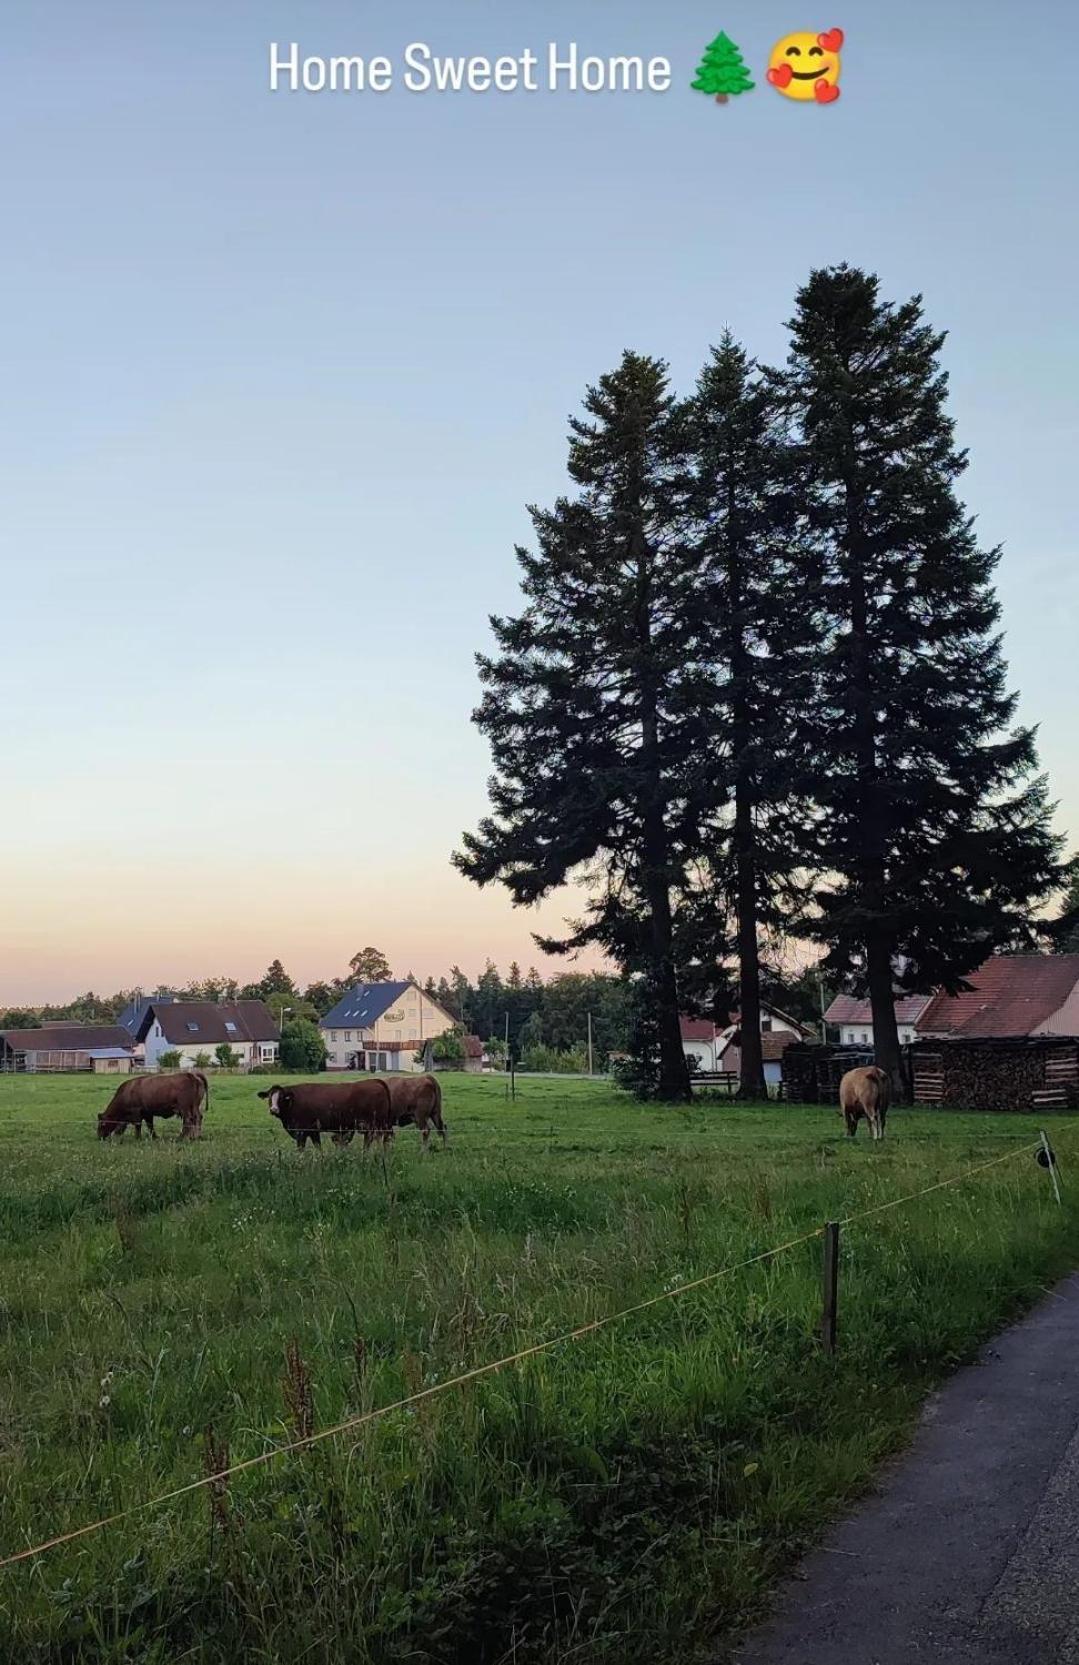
(757, 580)
(722, 71)
(592, 707)
(934, 824)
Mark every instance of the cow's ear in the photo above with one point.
(267, 1093)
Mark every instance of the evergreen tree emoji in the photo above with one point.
(721, 71)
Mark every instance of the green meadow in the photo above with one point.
(166, 1309)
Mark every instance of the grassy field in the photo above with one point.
(632, 1491)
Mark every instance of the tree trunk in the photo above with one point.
(870, 866)
(751, 1084)
(886, 1052)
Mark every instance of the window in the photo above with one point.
(333, 1035)
(766, 1024)
(348, 1034)
(231, 1027)
(192, 1028)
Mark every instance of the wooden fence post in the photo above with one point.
(830, 1286)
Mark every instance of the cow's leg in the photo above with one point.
(316, 1138)
(852, 1122)
(150, 1125)
(138, 1130)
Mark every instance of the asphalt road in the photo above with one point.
(968, 1553)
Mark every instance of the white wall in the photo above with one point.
(1064, 1022)
(249, 1052)
(413, 1019)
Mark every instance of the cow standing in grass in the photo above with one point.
(418, 1099)
(340, 1109)
(140, 1098)
(865, 1092)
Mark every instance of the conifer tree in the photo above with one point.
(592, 705)
(722, 71)
(933, 824)
(757, 581)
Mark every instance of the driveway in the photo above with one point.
(968, 1553)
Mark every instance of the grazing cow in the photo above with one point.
(338, 1108)
(185, 1093)
(418, 1099)
(865, 1092)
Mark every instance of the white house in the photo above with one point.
(854, 1018)
(381, 1026)
(716, 1048)
(191, 1027)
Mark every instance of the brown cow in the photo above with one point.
(339, 1108)
(417, 1098)
(184, 1093)
(865, 1092)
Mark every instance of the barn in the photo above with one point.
(56, 1047)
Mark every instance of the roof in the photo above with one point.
(210, 1022)
(473, 1046)
(774, 1043)
(68, 1037)
(697, 1029)
(110, 1052)
(362, 1006)
(846, 1009)
(365, 1003)
(1010, 995)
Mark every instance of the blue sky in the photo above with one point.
(281, 373)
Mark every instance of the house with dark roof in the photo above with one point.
(854, 1018)
(1010, 996)
(106, 1049)
(381, 1026)
(194, 1027)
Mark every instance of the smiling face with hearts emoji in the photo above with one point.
(806, 67)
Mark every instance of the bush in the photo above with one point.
(303, 1051)
(203, 1061)
(170, 1059)
(226, 1057)
(448, 1048)
(546, 1061)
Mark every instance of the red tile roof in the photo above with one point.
(846, 1009)
(698, 1029)
(1011, 994)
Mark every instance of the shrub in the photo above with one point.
(546, 1061)
(170, 1059)
(226, 1057)
(302, 1048)
(203, 1061)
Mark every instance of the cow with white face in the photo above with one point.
(341, 1109)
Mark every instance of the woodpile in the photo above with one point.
(1040, 1072)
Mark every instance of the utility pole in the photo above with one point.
(590, 1043)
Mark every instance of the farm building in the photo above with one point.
(854, 1018)
(381, 1026)
(1009, 996)
(104, 1048)
(199, 1027)
(717, 1048)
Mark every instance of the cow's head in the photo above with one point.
(105, 1126)
(279, 1098)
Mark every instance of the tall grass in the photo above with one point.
(165, 1308)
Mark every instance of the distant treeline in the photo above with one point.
(545, 1022)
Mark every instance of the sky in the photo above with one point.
(282, 372)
